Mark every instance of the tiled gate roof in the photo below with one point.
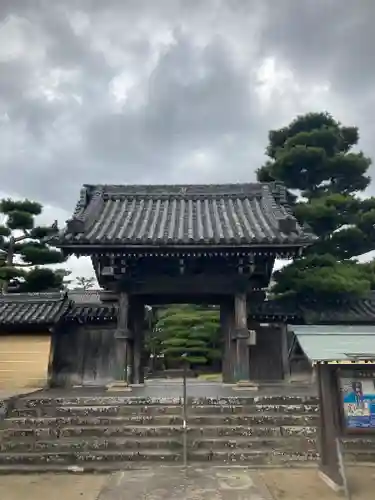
(228, 214)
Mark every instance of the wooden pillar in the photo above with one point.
(51, 358)
(329, 427)
(285, 351)
(138, 325)
(227, 328)
(122, 336)
(242, 365)
(130, 360)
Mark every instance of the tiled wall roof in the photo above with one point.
(93, 306)
(350, 311)
(32, 309)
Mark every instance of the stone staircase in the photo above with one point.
(90, 433)
(255, 431)
(115, 432)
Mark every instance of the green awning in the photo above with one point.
(336, 342)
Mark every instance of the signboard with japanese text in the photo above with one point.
(358, 397)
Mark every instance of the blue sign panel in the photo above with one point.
(358, 394)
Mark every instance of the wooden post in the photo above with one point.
(329, 427)
(285, 351)
(227, 327)
(122, 336)
(130, 360)
(50, 371)
(138, 369)
(242, 368)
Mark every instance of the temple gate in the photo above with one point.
(202, 244)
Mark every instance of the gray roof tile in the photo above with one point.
(85, 296)
(18, 309)
(244, 214)
(87, 305)
(48, 308)
(336, 343)
(353, 311)
(86, 313)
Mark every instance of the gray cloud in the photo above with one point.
(195, 97)
(169, 91)
(324, 39)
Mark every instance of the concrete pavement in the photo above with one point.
(51, 487)
(172, 483)
(159, 483)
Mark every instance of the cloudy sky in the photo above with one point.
(146, 91)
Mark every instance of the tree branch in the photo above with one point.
(23, 237)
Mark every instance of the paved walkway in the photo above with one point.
(172, 388)
(52, 486)
(197, 388)
(177, 484)
(172, 483)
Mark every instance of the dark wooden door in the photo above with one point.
(266, 363)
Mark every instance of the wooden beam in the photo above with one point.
(203, 284)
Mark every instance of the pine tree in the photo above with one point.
(314, 157)
(25, 250)
(190, 330)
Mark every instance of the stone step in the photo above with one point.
(134, 442)
(237, 456)
(253, 419)
(105, 400)
(107, 461)
(254, 443)
(143, 431)
(118, 410)
(208, 431)
(253, 457)
(86, 467)
(287, 431)
(73, 420)
(252, 408)
(257, 400)
(63, 445)
(357, 456)
(114, 410)
(80, 457)
(34, 402)
(277, 419)
(358, 443)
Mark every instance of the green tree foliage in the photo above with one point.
(314, 157)
(188, 329)
(24, 249)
